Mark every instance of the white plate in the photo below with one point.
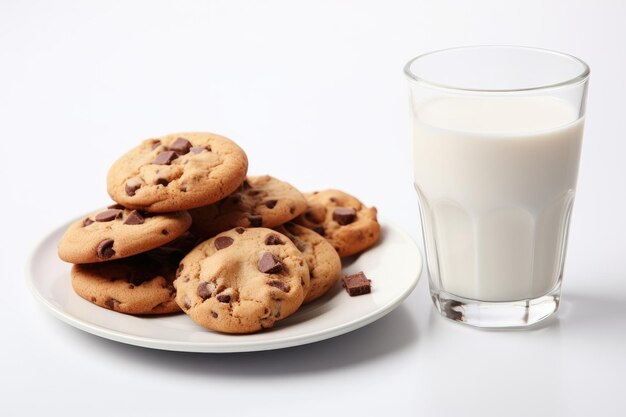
(394, 266)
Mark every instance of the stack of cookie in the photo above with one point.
(190, 230)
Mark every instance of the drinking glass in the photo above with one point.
(497, 133)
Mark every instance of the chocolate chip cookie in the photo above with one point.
(177, 172)
(322, 259)
(117, 232)
(242, 280)
(141, 284)
(261, 201)
(343, 220)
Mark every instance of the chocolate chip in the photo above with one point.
(240, 230)
(162, 181)
(280, 285)
(344, 215)
(270, 204)
(116, 206)
(165, 158)
(255, 221)
(108, 215)
(319, 230)
(181, 146)
(165, 232)
(199, 149)
(87, 222)
(269, 264)
(273, 239)
(112, 303)
(155, 145)
(105, 249)
(227, 295)
(134, 218)
(205, 289)
(213, 314)
(223, 242)
(223, 298)
(357, 284)
(132, 185)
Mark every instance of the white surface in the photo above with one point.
(314, 92)
(394, 264)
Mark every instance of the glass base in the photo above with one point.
(494, 315)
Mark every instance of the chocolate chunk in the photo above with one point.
(357, 284)
(213, 314)
(205, 289)
(223, 242)
(344, 215)
(181, 146)
(87, 222)
(255, 221)
(116, 206)
(240, 230)
(108, 215)
(223, 298)
(270, 204)
(165, 158)
(134, 218)
(155, 145)
(112, 303)
(199, 149)
(105, 249)
(227, 295)
(269, 264)
(319, 230)
(280, 285)
(132, 185)
(273, 239)
(162, 181)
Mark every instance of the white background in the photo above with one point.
(314, 92)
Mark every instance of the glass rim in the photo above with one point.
(580, 78)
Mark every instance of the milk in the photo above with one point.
(495, 178)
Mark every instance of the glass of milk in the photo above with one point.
(497, 133)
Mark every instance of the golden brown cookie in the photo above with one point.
(343, 220)
(177, 172)
(142, 284)
(323, 260)
(261, 201)
(242, 280)
(117, 232)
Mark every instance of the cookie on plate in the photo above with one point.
(117, 232)
(177, 172)
(343, 220)
(260, 201)
(141, 284)
(242, 280)
(323, 261)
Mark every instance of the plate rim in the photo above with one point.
(219, 347)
